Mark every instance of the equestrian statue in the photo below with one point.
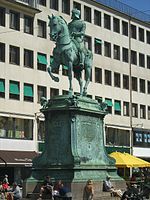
(70, 49)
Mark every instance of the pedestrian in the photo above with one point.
(88, 192)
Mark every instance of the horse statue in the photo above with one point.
(66, 52)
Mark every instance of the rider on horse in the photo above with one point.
(77, 32)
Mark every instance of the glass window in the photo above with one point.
(142, 111)
(2, 52)
(125, 81)
(126, 108)
(141, 60)
(117, 107)
(14, 90)
(133, 57)
(88, 42)
(134, 84)
(107, 49)
(28, 92)
(133, 31)
(124, 28)
(41, 62)
(54, 4)
(54, 92)
(28, 58)
(148, 62)
(2, 88)
(116, 79)
(65, 92)
(116, 25)
(41, 130)
(97, 17)
(98, 46)
(14, 55)
(107, 21)
(77, 6)
(109, 105)
(28, 24)
(14, 20)
(98, 75)
(148, 37)
(142, 85)
(116, 52)
(41, 92)
(107, 77)
(134, 110)
(141, 34)
(138, 137)
(148, 87)
(66, 6)
(2, 16)
(125, 55)
(41, 29)
(42, 2)
(99, 99)
(148, 113)
(87, 14)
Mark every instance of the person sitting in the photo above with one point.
(57, 187)
(47, 187)
(108, 187)
(88, 192)
(16, 193)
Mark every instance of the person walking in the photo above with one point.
(88, 192)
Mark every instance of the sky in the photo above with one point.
(142, 5)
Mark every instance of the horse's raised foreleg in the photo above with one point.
(52, 66)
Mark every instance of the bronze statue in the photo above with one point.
(70, 50)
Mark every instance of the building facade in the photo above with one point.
(119, 38)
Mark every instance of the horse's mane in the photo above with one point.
(61, 19)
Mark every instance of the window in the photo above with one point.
(142, 111)
(16, 128)
(88, 42)
(134, 110)
(2, 16)
(148, 37)
(116, 79)
(148, 112)
(97, 18)
(2, 52)
(117, 107)
(28, 58)
(148, 62)
(66, 6)
(107, 49)
(41, 92)
(99, 99)
(142, 85)
(65, 92)
(116, 25)
(28, 24)
(141, 34)
(41, 130)
(125, 55)
(133, 31)
(133, 57)
(124, 28)
(2, 88)
(77, 6)
(107, 77)
(138, 137)
(107, 22)
(14, 20)
(125, 81)
(41, 29)
(14, 90)
(64, 70)
(41, 61)
(141, 60)
(54, 70)
(54, 92)
(14, 55)
(116, 52)
(109, 105)
(28, 92)
(126, 108)
(148, 87)
(42, 2)
(54, 4)
(134, 84)
(98, 46)
(98, 75)
(87, 14)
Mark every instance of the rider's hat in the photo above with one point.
(76, 13)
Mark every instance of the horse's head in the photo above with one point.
(56, 26)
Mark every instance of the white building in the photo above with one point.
(119, 38)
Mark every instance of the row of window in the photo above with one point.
(109, 22)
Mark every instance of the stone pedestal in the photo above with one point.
(74, 144)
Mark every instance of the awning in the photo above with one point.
(126, 160)
(17, 158)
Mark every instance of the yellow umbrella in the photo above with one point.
(127, 160)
